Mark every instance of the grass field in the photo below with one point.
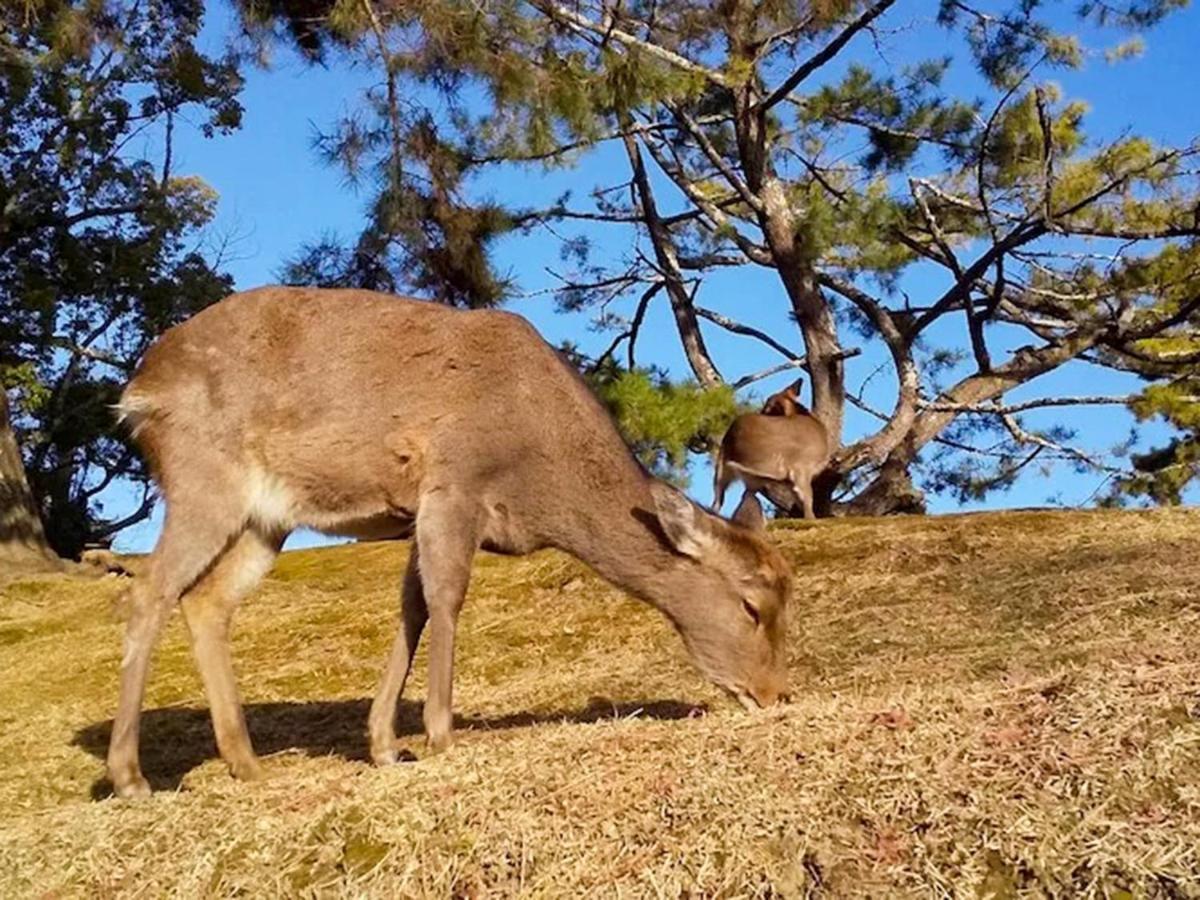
(995, 705)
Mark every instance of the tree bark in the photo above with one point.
(23, 545)
(682, 306)
(891, 493)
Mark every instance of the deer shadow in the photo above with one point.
(175, 740)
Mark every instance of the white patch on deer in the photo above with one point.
(269, 502)
(129, 646)
(132, 411)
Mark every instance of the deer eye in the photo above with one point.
(752, 611)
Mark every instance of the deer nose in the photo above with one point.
(771, 692)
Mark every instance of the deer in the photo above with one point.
(786, 402)
(379, 417)
(783, 445)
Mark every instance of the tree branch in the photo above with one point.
(639, 316)
(904, 412)
(668, 261)
(581, 24)
(739, 186)
(798, 363)
(716, 215)
(738, 328)
(825, 54)
(1021, 436)
(1041, 403)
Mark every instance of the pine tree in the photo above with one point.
(790, 146)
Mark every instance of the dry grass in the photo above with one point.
(992, 705)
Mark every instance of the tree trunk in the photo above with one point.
(811, 309)
(23, 545)
(891, 493)
(823, 486)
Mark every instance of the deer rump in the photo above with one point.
(764, 450)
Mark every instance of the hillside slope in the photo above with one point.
(984, 705)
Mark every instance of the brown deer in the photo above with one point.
(784, 445)
(786, 402)
(368, 415)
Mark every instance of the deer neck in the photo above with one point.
(616, 532)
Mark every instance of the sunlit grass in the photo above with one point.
(1002, 704)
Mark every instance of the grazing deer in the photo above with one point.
(784, 444)
(363, 414)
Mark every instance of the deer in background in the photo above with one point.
(786, 402)
(784, 444)
(364, 414)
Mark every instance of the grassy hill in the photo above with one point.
(984, 705)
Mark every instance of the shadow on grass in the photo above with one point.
(176, 740)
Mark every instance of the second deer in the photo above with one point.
(784, 445)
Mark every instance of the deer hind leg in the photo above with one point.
(208, 610)
(802, 488)
(413, 615)
(196, 532)
(447, 537)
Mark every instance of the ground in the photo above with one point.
(995, 705)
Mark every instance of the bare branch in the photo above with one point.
(899, 132)
(668, 261)
(825, 54)
(798, 363)
(1134, 234)
(712, 261)
(738, 328)
(639, 316)
(1041, 403)
(562, 149)
(712, 210)
(582, 24)
(739, 186)
(101, 356)
(143, 511)
(1021, 436)
(1150, 329)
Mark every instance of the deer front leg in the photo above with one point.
(447, 537)
(722, 477)
(413, 615)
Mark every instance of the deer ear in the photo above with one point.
(749, 513)
(682, 521)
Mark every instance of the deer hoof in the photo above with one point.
(248, 770)
(437, 743)
(132, 788)
(385, 757)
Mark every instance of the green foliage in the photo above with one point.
(1163, 473)
(97, 246)
(664, 421)
(769, 142)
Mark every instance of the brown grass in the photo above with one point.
(992, 705)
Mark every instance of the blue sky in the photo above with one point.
(275, 195)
